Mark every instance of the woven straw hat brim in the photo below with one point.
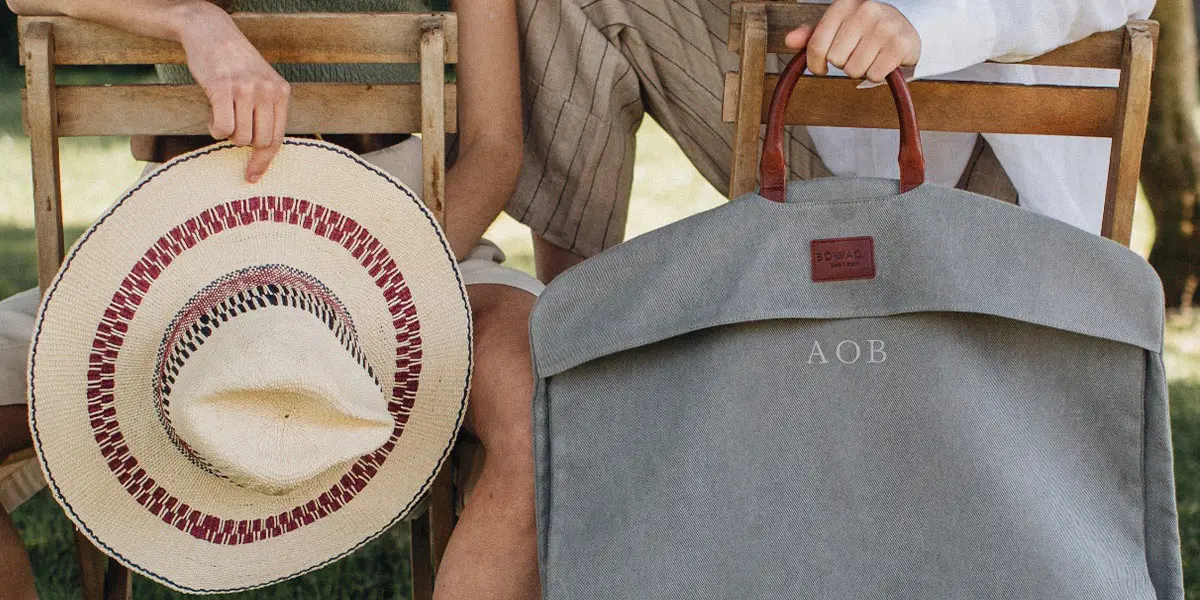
(110, 464)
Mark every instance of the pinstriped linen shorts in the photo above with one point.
(591, 69)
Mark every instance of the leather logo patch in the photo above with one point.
(841, 259)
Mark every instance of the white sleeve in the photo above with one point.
(956, 34)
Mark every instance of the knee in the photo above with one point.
(500, 409)
(501, 316)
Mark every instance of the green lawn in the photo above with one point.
(666, 188)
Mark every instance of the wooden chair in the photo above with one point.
(429, 107)
(758, 28)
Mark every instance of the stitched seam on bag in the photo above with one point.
(1146, 396)
(853, 199)
(564, 364)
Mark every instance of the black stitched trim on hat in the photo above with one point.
(33, 360)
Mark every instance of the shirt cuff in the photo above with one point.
(954, 35)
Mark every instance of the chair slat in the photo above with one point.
(328, 38)
(433, 163)
(1133, 107)
(746, 129)
(1101, 50)
(945, 106)
(183, 109)
(42, 109)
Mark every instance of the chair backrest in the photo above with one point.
(759, 28)
(50, 111)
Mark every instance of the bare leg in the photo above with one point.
(492, 554)
(551, 260)
(16, 573)
(16, 578)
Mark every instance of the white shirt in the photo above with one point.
(1062, 177)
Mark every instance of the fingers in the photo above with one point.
(264, 148)
(861, 37)
(863, 55)
(248, 97)
(270, 124)
(221, 125)
(825, 32)
(243, 110)
(256, 115)
(798, 37)
(882, 66)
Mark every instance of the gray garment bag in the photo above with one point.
(854, 388)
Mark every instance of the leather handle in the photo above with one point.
(773, 170)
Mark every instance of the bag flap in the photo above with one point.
(935, 249)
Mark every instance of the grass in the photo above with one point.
(666, 188)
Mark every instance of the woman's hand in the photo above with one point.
(249, 99)
(863, 38)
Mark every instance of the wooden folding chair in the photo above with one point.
(758, 28)
(52, 111)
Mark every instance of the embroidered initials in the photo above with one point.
(849, 352)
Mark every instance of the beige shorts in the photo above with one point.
(591, 69)
(21, 480)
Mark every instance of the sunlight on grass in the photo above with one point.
(94, 173)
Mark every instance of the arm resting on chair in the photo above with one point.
(489, 120)
(956, 34)
(248, 97)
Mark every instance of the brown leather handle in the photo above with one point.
(773, 170)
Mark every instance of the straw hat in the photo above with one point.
(232, 384)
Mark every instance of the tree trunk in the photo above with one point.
(1171, 158)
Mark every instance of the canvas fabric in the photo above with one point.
(987, 417)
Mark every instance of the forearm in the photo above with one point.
(489, 120)
(163, 19)
(477, 189)
(959, 33)
(249, 99)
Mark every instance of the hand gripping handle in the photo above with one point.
(773, 170)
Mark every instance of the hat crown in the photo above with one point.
(262, 382)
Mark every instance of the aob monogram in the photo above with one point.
(848, 352)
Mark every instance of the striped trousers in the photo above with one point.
(591, 70)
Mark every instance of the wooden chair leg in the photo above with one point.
(441, 514)
(100, 577)
(91, 563)
(430, 533)
(118, 582)
(421, 557)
